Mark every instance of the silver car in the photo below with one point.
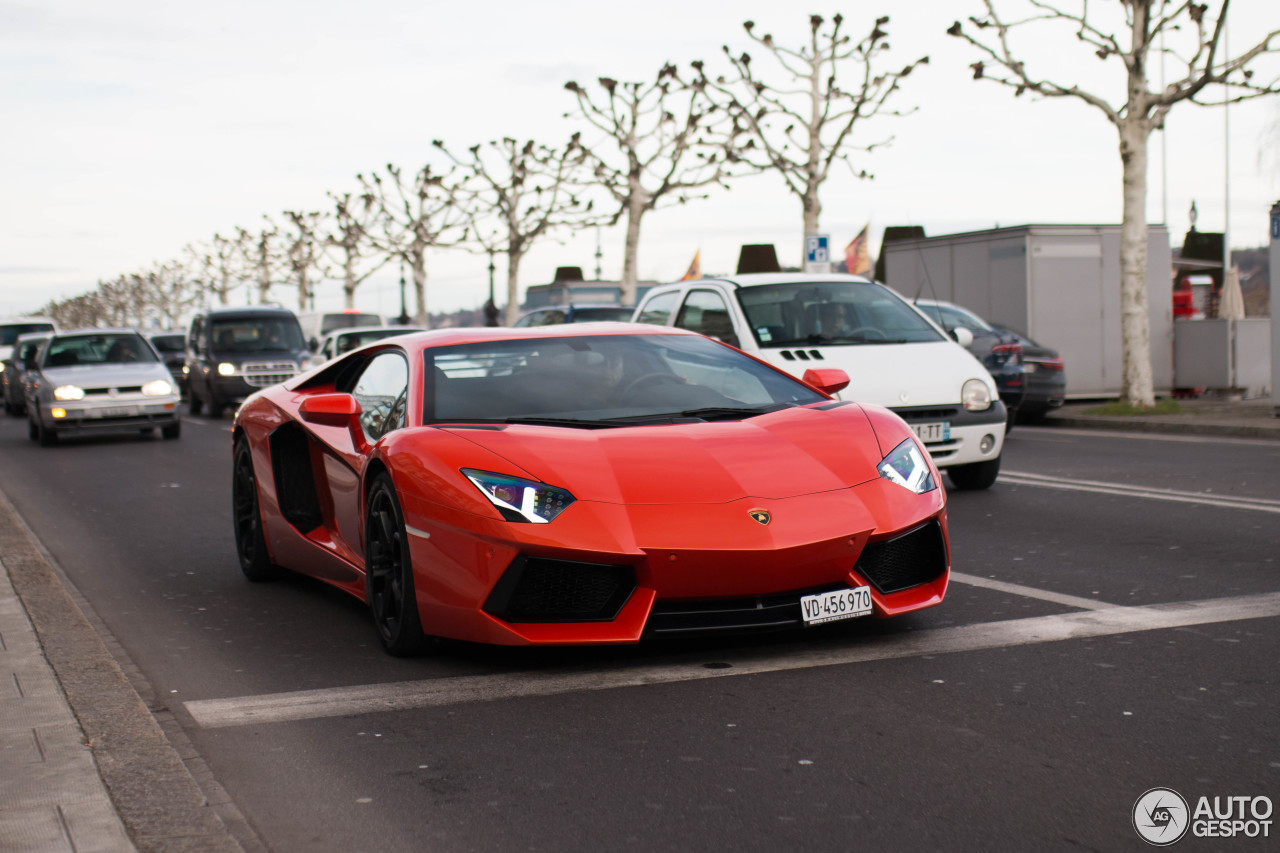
(99, 380)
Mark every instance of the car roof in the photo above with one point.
(757, 279)
(33, 336)
(90, 330)
(480, 334)
(247, 310)
(364, 330)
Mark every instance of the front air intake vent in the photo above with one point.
(911, 559)
(535, 589)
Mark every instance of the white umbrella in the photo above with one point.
(1231, 302)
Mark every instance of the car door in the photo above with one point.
(381, 388)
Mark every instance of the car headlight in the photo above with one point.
(157, 388)
(226, 369)
(520, 500)
(906, 466)
(976, 395)
(68, 392)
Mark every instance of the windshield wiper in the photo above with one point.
(728, 413)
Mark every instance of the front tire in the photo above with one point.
(389, 587)
(195, 403)
(174, 430)
(47, 436)
(251, 544)
(975, 475)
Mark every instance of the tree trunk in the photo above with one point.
(635, 210)
(513, 283)
(418, 264)
(349, 282)
(1135, 320)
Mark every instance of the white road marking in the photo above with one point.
(375, 698)
(1031, 592)
(1023, 478)
(1046, 433)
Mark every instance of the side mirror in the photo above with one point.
(313, 344)
(963, 336)
(828, 380)
(336, 410)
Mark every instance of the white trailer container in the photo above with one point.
(1056, 284)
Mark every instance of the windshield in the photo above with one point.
(950, 317)
(106, 348)
(169, 343)
(348, 341)
(831, 313)
(605, 380)
(593, 315)
(256, 334)
(9, 331)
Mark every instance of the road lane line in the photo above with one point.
(1022, 478)
(375, 698)
(1031, 592)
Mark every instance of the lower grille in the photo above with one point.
(911, 559)
(725, 616)
(534, 589)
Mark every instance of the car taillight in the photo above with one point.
(1011, 352)
(1049, 363)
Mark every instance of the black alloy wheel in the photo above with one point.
(388, 581)
(251, 545)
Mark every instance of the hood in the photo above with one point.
(778, 455)
(895, 375)
(106, 375)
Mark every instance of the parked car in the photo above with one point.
(99, 380)
(591, 484)
(316, 324)
(999, 351)
(897, 357)
(13, 370)
(232, 352)
(342, 341)
(172, 347)
(12, 327)
(1044, 379)
(577, 312)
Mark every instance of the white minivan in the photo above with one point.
(895, 356)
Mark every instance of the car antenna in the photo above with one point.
(927, 278)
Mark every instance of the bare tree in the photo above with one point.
(803, 124)
(169, 292)
(302, 249)
(76, 312)
(528, 188)
(1196, 37)
(266, 262)
(417, 215)
(122, 301)
(665, 143)
(218, 267)
(350, 243)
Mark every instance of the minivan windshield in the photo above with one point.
(831, 313)
(603, 381)
(255, 334)
(9, 331)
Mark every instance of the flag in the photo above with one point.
(857, 255)
(695, 268)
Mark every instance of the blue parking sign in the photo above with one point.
(815, 249)
(1275, 226)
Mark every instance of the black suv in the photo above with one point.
(232, 352)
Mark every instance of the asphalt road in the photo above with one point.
(1112, 627)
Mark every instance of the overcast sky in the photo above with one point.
(132, 128)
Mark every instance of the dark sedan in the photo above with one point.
(999, 351)
(1044, 379)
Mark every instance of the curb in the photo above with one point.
(152, 789)
(1241, 430)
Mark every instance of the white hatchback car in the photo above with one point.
(894, 355)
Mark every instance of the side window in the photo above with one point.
(526, 320)
(197, 326)
(382, 392)
(657, 311)
(705, 312)
(551, 318)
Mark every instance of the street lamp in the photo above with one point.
(403, 319)
(490, 307)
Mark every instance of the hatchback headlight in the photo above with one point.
(68, 392)
(906, 466)
(976, 395)
(226, 369)
(157, 388)
(520, 500)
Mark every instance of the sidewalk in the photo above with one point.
(86, 765)
(130, 790)
(1216, 416)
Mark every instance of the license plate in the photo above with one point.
(940, 431)
(841, 604)
(114, 412)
